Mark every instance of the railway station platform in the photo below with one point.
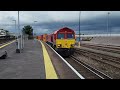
(36, 61)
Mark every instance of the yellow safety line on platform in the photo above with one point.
(7, 44)
(49, 69)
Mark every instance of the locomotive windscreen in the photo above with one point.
(70, 36)
(61, 36)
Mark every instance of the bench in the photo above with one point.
(3, 54)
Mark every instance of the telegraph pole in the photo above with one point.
(79, 27)
(108, 22)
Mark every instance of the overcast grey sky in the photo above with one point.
(92, 22)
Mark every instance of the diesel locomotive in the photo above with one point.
(62, 40)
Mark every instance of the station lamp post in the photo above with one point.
(18, 50)
(21, 33)
(18, 43)
(15, 24)
(79, 27)
(34, 24)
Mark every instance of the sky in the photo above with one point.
(91, 22)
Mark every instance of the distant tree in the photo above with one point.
(28, 30)
(7, 32)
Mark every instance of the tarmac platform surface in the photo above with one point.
(36, 61)
(26, 65)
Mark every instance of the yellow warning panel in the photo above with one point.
(49, 69)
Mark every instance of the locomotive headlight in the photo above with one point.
(72, 45)
(59, 45)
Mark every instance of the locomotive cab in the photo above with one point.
(65, 41)
(62, 40)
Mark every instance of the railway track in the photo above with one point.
(88, 70)
(108, 48)
(2, 41)
(106, 59)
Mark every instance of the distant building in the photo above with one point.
(2, 32)
(12, 34)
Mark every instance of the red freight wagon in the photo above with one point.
(45, 37)
(41, 37)
(38, 37)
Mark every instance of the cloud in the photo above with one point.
(49, 21)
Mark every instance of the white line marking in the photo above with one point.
(79, 75)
